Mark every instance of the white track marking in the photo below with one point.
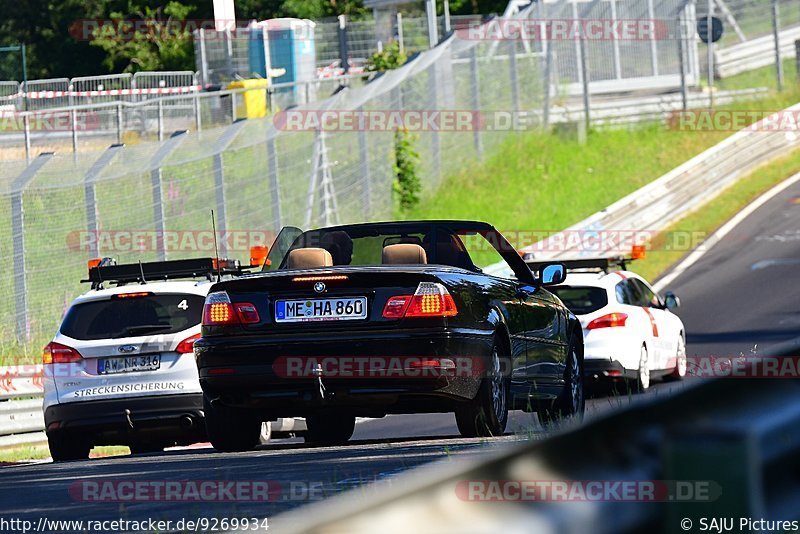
(715, 238)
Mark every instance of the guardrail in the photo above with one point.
(754, 53)
(708, 435)
(21, 417)
(684, 189)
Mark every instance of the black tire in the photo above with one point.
(230, 429)
(65, 447)
(330, 428)
(487, 414)
(571, 403)
(643, 379)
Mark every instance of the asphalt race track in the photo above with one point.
(740, 295)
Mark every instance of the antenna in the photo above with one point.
(141, 270)
(216, 250)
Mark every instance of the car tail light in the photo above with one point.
(607, 321)
(430, 300)
(58, 353)
(247, 313)
(219, 310)
(187, 345)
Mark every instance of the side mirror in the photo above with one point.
(671, 301)
(552, 274)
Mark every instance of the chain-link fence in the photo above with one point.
(151, 200)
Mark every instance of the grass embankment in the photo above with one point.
(538, 182)
(41, 452)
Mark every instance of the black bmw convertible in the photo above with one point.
(383, 318)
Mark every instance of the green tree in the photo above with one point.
(317, 9)
(152, 39)
(389, 58)
(407, 184)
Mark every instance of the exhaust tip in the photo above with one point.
(187, 422)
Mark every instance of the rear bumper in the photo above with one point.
(598, 369)
(165, 418)
(276, 377)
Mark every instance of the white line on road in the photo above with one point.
(715, 238)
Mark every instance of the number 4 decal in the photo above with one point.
(183, 305)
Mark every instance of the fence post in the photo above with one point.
(73, 119)
(475, 89)
(776, 28)
(155, 182)
(400, 41)
(363, 157)
(18, 233)
(710, 52)
(615, 44)
(682, 61)
(344, 56)
(90, 198)
(797, 60)
(433, 24)
(26, 128)
(434, 100)
(217, 150)
(653, 45)
(548, 74)
(512, 65)
(198, 120)
(274, 180)
(160, 120)
(203, 57)
(120, 124)
(585, 79)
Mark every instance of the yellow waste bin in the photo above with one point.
(253, 102)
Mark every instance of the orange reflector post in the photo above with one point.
(258, 255)
(94, 262)
(638, 252)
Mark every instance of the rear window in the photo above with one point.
(130, 317)
(581, 300)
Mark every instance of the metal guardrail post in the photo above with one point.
(475, 93)
(220, 146)
(156, 184)
(18, 232)
(776, 28)
(512, 65)
(90, 198)
(233, 108)
(274, 179)
(363, 157)
(710, 51)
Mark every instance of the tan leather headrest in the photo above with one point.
(309, 258)
(404, 254)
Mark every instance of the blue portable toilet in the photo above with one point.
(291, 47)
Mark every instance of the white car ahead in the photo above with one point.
(121, 369)
(629, 330)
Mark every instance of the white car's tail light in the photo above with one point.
(58, 353)
(608, 321)
(187, 345)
